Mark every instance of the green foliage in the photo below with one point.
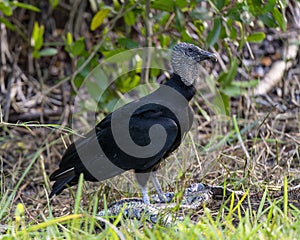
(214, 35)
(98, 18)
(226, 81)
(227, 23)
(233, 23)
(7, 7)
(37, 41)
(25, 6)
(256, 37)
(217, 24)
(236, 20)
(130, 18)
(74, 48)
(214, 25)
(233, 221)
(228, 87)
(54, 3)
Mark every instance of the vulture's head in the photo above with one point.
(185, 59)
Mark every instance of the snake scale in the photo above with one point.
(193, 197)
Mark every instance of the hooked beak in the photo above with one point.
(204, 55)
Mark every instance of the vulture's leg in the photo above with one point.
(146, 199)
(142, 179)
(158, 188)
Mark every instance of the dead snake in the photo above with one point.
(193, 197)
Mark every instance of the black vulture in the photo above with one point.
(156, 125)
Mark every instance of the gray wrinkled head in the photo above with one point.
(185, 61)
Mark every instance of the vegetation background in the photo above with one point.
(49, 47)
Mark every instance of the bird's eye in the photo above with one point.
(190, 49)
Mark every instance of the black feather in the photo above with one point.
(61, 184)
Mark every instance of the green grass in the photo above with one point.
(271, 225)
(274, 219)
